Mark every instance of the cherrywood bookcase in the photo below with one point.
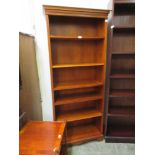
(77, 40)
(120, 92)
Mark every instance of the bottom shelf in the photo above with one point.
(120, 134)
(82, 133)
(109, 139)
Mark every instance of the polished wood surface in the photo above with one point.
(74, 38)
(77, 49)
(43, 138)
(84, 131)
(120, 88)
(78, 65)
(79, 115)
(75, 12)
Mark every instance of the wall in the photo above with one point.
(26, 24)
(42, 46)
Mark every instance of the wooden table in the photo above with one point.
(43, 138)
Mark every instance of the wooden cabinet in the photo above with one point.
(46, 138)
(120, 101)
(77, 40)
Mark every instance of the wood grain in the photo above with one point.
(77, 47)
(47, 135)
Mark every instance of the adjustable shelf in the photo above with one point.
(122, 93)
(125, 28)
(77, 41)
(78, 65)
(75, 38)
(128, 76)
(120, 90)
(67, 99)
(71, 116)
(124, 53)
(74, 85)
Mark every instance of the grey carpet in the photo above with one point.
(102, 148)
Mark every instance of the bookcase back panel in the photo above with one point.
(75, 93)
(120, 101)
(121, 121)
(84, 129)
(123, 64)
(121, 109)
(76, 107)
(70, 75)
(123, 41)
(124, 15)
(124, 9)
(82, 122)
(122, 84)
(74, 26)
(123, 128)
(92, 121)
(124, 20)
(72, 51)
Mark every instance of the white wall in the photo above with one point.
(26, 24)
(42, 46)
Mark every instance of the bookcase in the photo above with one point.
(120, 89)
(77, 40)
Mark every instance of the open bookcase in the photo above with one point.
(120, 90)
(77, 41)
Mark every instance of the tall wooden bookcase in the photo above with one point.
(77, 40)
(120, 101)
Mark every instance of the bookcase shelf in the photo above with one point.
(78, 65)
(124, 1)
(126, 27)
(77, 98)
(122, 75)
(115, 131)
(84, 130)
(73, 85)
(120, 90)
(122, 93)
(71, 116)
(77, 39)
(122, 53)
(120, 129)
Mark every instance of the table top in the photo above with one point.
(41, 138)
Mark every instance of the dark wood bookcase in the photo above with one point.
(77, 40)
(120, 88)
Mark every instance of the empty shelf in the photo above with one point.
(80, 133)
(77, 98)
(78, 115)
(77, 65)
(84, 84)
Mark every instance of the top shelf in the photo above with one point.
(124, 1)
(54, 37)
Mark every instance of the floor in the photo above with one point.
(102, 148)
